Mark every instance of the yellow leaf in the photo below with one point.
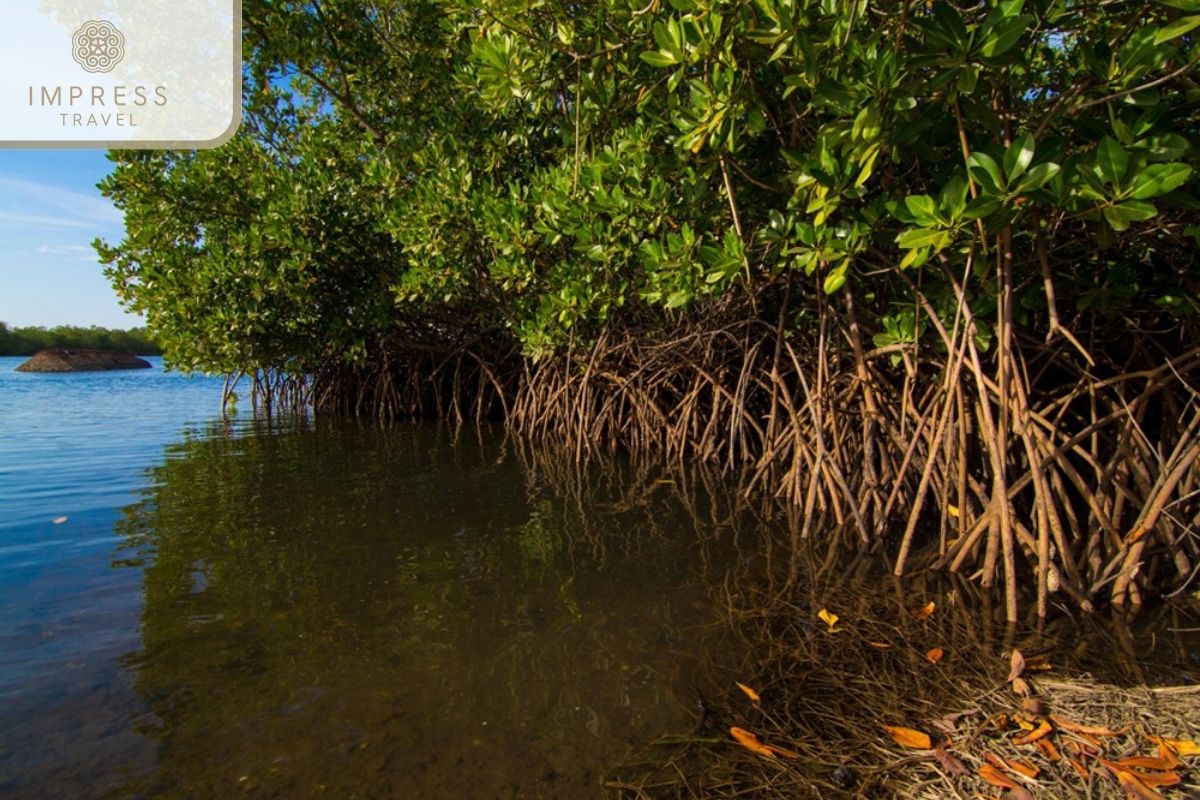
(1180, 747)
(924, 611)
(749, 741)
(746, 690)
(1037, 733)
(935, 655)
(829, 619)
(952, 510)
(907, 737)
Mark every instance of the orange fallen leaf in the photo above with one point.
(1079, 768)
(1134, 788)
(1020, 686)
(1167, 754)
(907, 737)
(1037, 733)
(1180, 747)
(1048, 750)
(997, 778)
(1087, 730)
(1157, 778)
(1147, 762)
(935, 654)
(780, 751)
(1022, 767)
(750, 741)
(746, 690)
(1016, 665)
(924, 611)
(1082, 748)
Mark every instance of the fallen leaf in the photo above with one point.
(879, 645)
(746, 690)
(1166, 753)
(1180, 747)
(1016, 665)
(1157, 778)
(781, 751)
(1147, 762)
(1039, 732)
(907, 737)
(951, 509)
(1134, 788)
(59, 520)
(1082, 748)
(749, 741)
(1020, 686)
(924, 611)
(1088, 730)
(1048, 750)
(949, 763)
(829, 619)
(1032, 705)
(1079, 768)
(935, 655)
(1022, 767)
(997, 778)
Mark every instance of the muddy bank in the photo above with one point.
(61, 359)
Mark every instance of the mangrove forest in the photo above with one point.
(922, 274)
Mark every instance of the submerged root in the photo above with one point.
(833, 699)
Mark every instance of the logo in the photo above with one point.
(98, 46)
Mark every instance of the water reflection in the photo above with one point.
(351, 612)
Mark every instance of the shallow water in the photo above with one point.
(335, 609)
(324, 610)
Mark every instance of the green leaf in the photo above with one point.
(1122, 214)
(986, 171)
(1018, 156)
(1000, 37)
(1176, 29)
(1037, 177)
(658, 58)
(835, 279)
(923, 237)
(921, 207)
(1112, 160)
(1159, 179)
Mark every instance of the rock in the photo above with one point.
(62, 359)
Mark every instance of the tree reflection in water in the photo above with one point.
(348, 611)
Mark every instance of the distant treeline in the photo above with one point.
(27, 341)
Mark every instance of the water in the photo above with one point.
(339, 610)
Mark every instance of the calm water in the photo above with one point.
(302, 610)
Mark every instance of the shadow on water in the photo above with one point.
(347, 611)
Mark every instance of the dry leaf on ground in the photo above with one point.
(907, 737)
(746, 690)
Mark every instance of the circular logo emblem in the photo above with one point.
(98, 46)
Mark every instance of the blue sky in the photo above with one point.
(50, 211)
